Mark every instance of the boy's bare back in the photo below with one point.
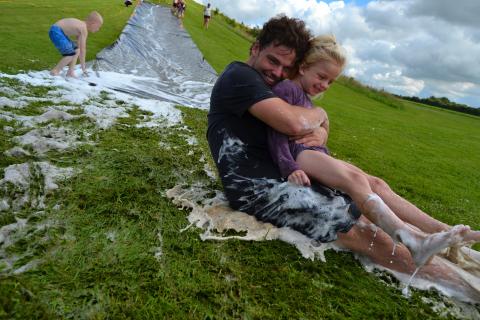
(72, 26)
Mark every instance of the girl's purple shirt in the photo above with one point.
(283, 151)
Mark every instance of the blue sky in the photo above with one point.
(409, 47)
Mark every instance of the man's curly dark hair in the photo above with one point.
(284, 31)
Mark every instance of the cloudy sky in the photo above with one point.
(408, 47)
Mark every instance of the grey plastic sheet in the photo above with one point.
(166, 63)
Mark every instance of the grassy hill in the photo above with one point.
(25, 25)
(429, 156)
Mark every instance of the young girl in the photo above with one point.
(322, 65)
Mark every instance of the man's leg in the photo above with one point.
(377, 246)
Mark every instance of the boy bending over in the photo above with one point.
(60, 32)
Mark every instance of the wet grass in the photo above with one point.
(5, 143)
(34, 108)
(21, 89)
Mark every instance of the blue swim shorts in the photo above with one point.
(61, 41)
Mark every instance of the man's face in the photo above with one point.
(272, 62)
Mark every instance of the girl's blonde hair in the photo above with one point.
(326, 48)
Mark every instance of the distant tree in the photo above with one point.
(445, 103)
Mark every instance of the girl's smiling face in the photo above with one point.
(317, 78)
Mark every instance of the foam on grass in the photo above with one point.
(69, 112)
(27, 184)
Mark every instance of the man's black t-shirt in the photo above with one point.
(237, 89)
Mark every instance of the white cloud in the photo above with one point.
(463, 12)
(409, 47)
(395, 82)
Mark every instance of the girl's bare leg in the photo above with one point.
(405, 210)
(408, 212)
(334, 173)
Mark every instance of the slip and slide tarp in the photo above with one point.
(167, 64)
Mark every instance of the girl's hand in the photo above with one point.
(317, 138)
(299, 177)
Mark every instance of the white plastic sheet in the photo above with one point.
(155, 47)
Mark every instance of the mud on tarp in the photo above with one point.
(155, 47)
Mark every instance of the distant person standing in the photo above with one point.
(60, 32)
(174, 7)
(207, 14)
(181, 7)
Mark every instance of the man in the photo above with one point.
(242, 107)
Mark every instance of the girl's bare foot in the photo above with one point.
(71, 74)
(54, 72)
(422, 249)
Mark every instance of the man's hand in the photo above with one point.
(317, 138)
(299, 177)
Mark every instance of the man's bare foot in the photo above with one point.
(71, 74)
(422, 249)
(54, 72)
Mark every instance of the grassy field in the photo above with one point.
(25, 25)
(98, 259)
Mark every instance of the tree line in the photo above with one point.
(443, 102)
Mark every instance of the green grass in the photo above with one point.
(25, 25)
(99, 251)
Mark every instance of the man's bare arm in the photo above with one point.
(288, 119)
(318, 137)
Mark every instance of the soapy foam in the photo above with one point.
(100, 104)
(215, 217)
